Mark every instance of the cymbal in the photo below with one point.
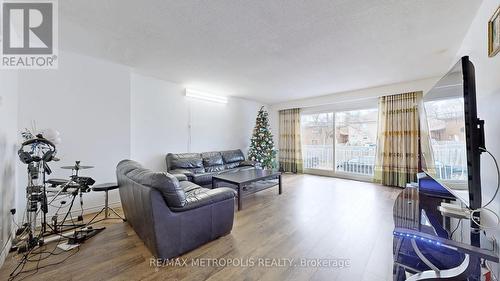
(77, 167)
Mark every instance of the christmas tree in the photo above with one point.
(262, 144)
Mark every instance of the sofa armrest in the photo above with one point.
(249, 163)
(180, 177)
(187, 173)
(204, 196)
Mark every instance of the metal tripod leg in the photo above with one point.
(106, 210)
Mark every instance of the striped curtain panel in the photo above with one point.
(397, 160)
(290, 151)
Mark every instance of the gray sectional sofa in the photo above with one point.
(170, 214)
(200, 167)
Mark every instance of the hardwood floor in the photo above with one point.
(315, 218)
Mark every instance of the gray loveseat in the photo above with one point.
(200, 167)
(170, 214)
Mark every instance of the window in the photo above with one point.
(341, 142)
(355, 141)
(317, 141)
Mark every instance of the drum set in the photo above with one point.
(54, 198)
(73, 187)
(49, 198)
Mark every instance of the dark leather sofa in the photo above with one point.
(170, 214)
(200, 167)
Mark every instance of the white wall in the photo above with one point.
(158, 115)
(88, 101)
(488, 96)
(160, 119)
(359, 95)
(348, 100)
(106, 113)
(8, 156)
(222, 126)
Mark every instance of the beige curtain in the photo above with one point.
(398, 139)
(290, 152)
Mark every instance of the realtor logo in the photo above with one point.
(29, 35)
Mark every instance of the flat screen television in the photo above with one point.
(452, 135)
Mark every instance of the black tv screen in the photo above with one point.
(451, 134)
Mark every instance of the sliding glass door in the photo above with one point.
(356, 141)
(317, 141)
(341, 143)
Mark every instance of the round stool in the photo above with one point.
(106, 187)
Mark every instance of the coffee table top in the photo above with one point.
(247, 176)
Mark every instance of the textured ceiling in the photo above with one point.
(271, 51)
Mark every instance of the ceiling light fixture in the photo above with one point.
(200, 95)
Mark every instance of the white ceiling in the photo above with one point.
(271, 51)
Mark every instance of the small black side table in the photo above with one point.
(106, 187)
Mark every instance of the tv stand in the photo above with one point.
(434, 238)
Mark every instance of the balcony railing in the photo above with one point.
(355, 159)
(318, 156)
(450, 159)
(348, 159)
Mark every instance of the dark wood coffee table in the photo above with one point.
(244, 178)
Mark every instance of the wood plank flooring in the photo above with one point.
(315, 218)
